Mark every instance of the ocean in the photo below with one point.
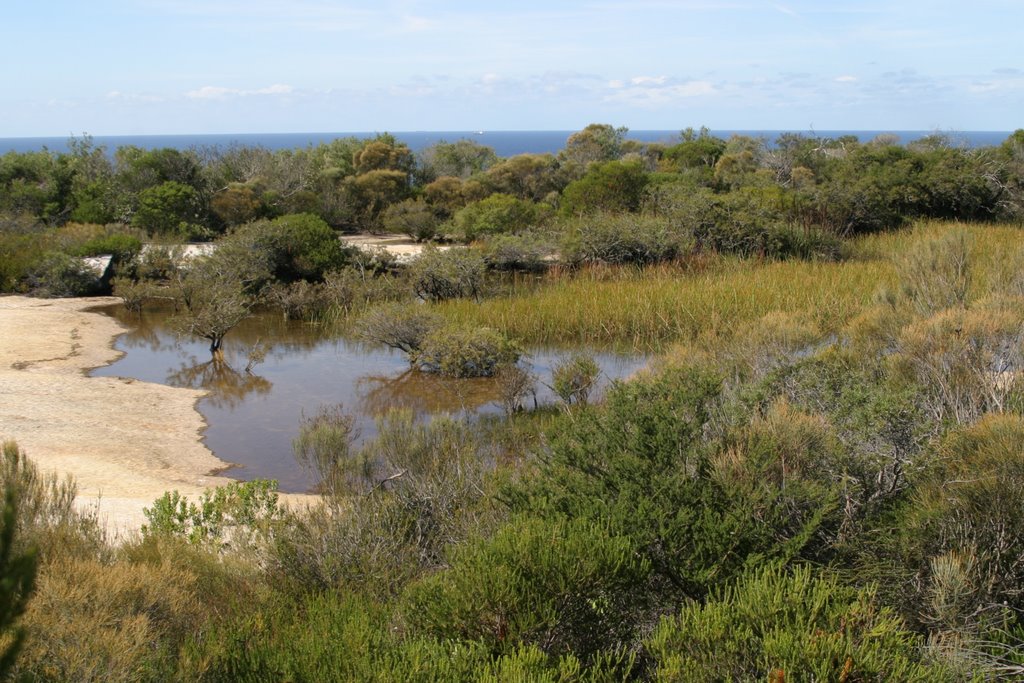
(505, 143)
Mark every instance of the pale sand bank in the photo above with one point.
(124, 441)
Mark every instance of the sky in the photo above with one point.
(149, 67)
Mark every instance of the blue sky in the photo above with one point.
(110, 67)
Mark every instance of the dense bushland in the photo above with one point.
(817, 477)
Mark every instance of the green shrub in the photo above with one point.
(612, 186)
(455, 351)
(398, 326)
(494, 215)
(623, 238)
(566, 587)
(525, 252)
(441, 274)
(405, 497)
(240, 515)
(61, 275)
(963, 528)
(410, 217)
(793, 625)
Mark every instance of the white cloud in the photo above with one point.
(657, 92)
(648, 80)
(117, 95)
(846, 79)
(213, 92)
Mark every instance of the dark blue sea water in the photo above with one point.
(505, 142)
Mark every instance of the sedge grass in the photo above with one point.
(647, 310)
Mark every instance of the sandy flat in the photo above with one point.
(124, 441)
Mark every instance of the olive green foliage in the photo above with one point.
(17, 569)
(394, 504)
(410, 217)
(58, 274)
(298, 247)
(497, 214)
(624, 239)
(796, 625)
(566, 587)
(455, 351)
(324, 444)
(639, 464)
(170, 209)
(610, 186)
(530, 251)
(936, 274)
(459, 159)
(961, 534)
(440, 274)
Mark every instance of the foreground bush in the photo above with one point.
(797, 625)
(566, 587)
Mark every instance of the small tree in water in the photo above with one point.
(215, 293)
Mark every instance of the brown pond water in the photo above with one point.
(252, 418)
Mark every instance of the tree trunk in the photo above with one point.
(216, 352)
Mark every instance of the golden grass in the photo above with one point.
(630, 309)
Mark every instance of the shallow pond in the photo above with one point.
(252, 418)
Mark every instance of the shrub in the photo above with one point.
(623, 238)
(297, 246)
(936, 274)
(788, 625)
(566, 587)
(612, 186)
(405, 497)
(497, 214)
(398, 326)
(526, 252)
(324, 444)
(60, 275)
(963, 526)
(437, 275)
(239, 515)
(410, 217)
(573, 378)
(514, 385)
(465, 351)
(17, 569)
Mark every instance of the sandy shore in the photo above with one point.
(124, 441)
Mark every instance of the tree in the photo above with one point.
(610, 186)
(495, 215)
(169, 209)
(217, 292)
(459, 159)
(596, 142)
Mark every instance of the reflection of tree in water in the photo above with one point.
(423, 392)
(227, 386)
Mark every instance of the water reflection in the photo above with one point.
(423, 393)
(253, 417)
(228, 387)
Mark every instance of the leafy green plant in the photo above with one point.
(241, 514)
